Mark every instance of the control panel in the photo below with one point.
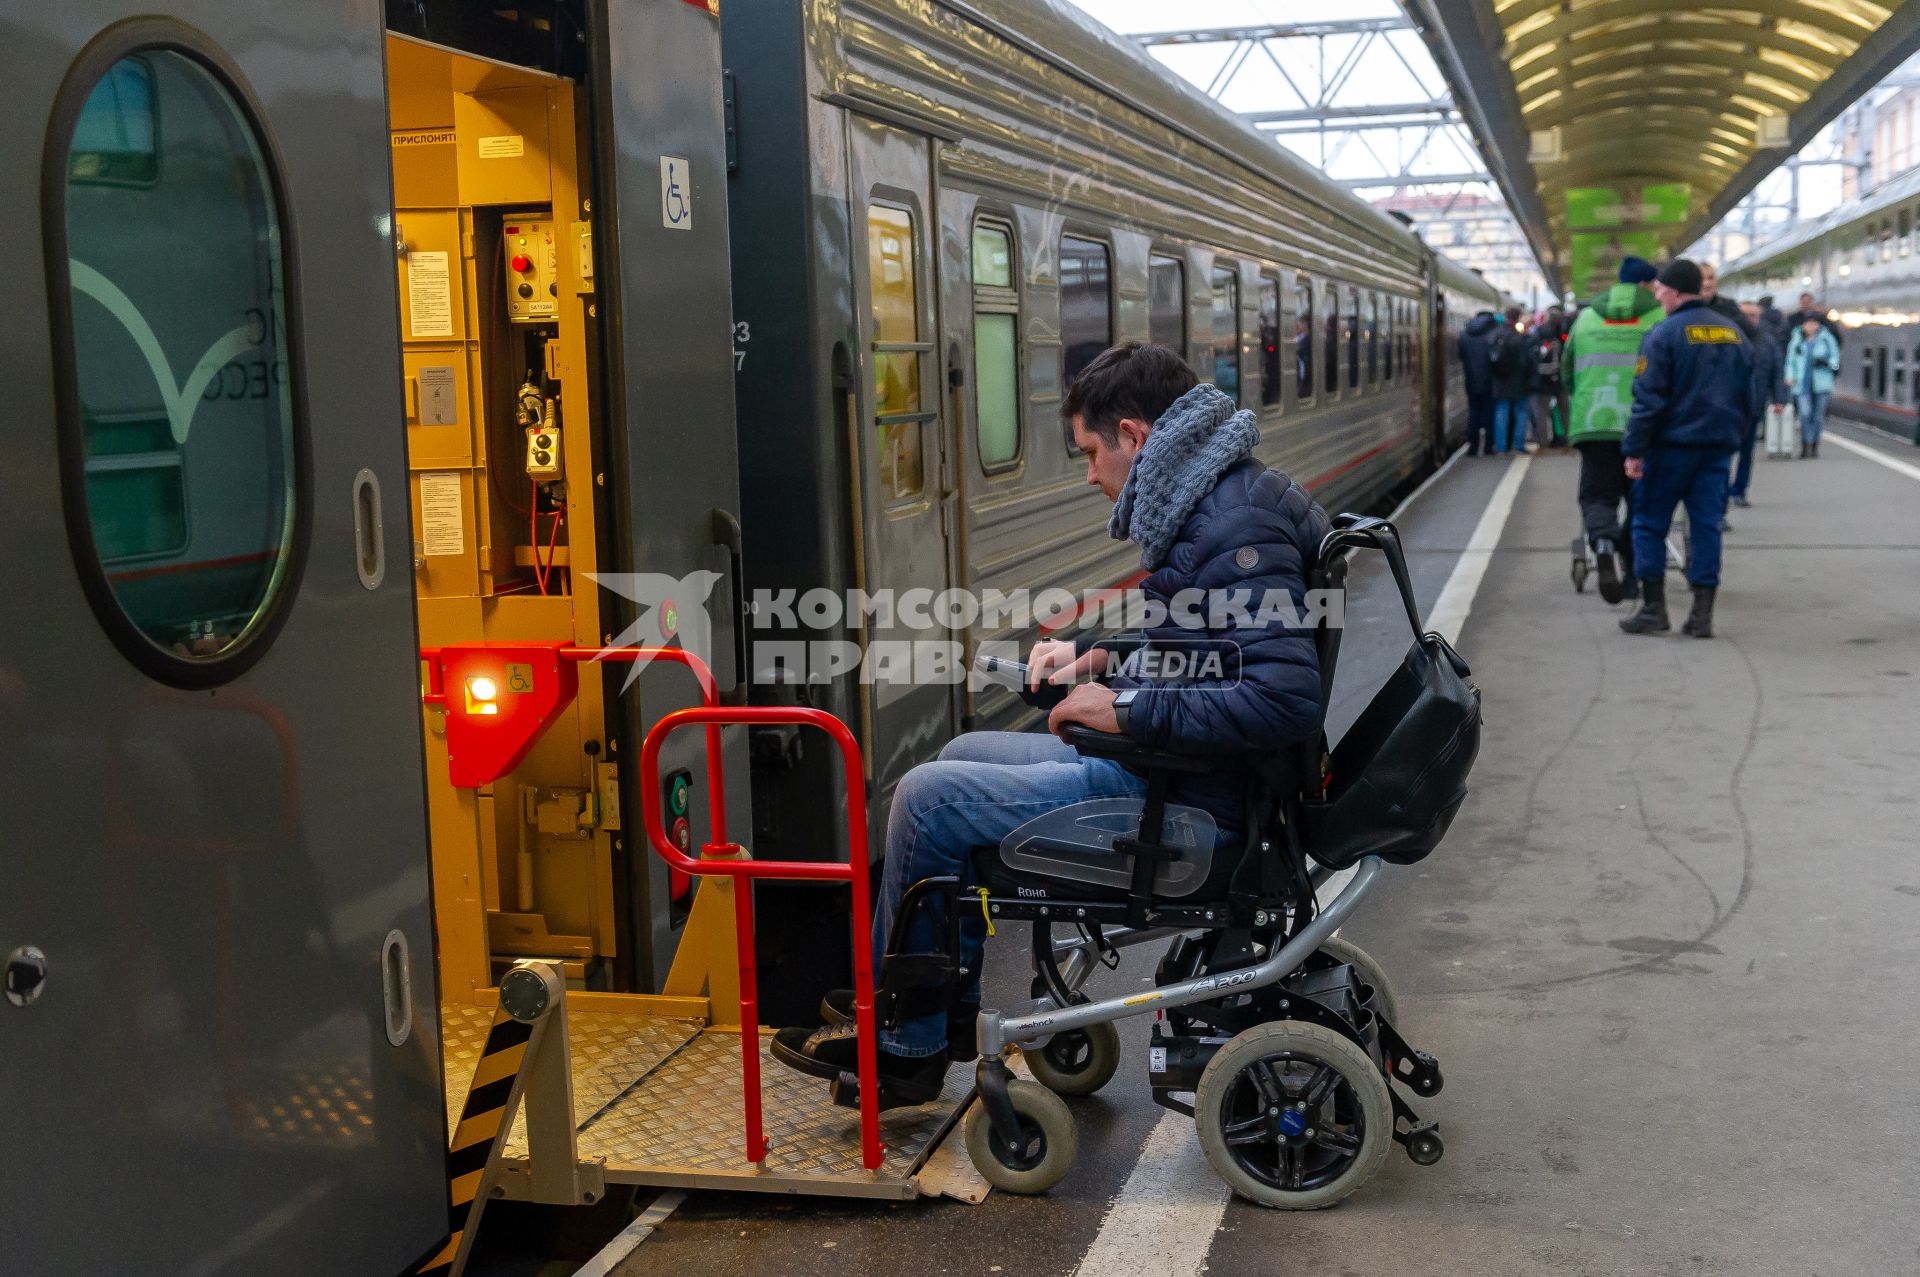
(533, 274)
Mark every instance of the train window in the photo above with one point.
(1086, 304)
(1167, 303)
(1386, 353)
(1302, 340)
(1226, 330)
(190, 488)
(1269, 342)
(1373, 340)
(892, 279)
(996, 321)
(1353, 339)
(1332, 341)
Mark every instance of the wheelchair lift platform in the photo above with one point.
(656, 1101)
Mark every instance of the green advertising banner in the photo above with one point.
(1655, 204)
(1663, 202)
(1597, 257)
(1592, 206)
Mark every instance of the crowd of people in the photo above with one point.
(1664, 386)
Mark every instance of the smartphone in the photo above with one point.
(1013, 675)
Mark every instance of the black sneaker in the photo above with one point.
(1742, 502)
(837, 1008)
(833, 1054)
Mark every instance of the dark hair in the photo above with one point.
(1513, 312)
(1131, 379)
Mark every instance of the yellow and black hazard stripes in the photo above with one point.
(484, 1120)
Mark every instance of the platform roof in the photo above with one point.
(1597, 96)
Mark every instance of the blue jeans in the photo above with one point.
(1697, 476)
(983, 786)
(1510, 425)
(1813, 415)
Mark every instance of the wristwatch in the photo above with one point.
(1123, 708)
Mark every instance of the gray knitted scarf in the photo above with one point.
(1190, 447)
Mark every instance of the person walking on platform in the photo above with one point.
(1813, 365)
(1597, 366)
(1549, 389)
(1725, 306)
(1769, 370)
(1512, 380)
(1779, 423)
(1476, 371)
(1692, 394)
(1810, 310)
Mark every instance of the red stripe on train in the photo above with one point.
(204, 565)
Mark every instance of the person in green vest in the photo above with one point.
(1598, 364)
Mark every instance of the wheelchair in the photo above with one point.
(1275, 1035)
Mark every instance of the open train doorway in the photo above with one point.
(307, 343)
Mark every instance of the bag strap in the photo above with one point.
(1353, 531)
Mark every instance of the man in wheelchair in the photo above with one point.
(1213, 524)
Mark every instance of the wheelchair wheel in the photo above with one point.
(1078, 1061)
(1048, 1134)
(1370, 973)
(1293, 1116)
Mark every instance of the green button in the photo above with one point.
(677, 797)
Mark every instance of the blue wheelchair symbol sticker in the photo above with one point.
(676, 193)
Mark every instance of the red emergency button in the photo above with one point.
(522, 263)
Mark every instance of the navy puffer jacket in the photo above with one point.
(1256, 531)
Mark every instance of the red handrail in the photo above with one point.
(853, 872)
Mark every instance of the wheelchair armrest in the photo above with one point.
(1125, 749)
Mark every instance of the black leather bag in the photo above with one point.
(1399, 774)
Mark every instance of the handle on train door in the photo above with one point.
(726, 533)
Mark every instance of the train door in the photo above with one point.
(218, 1031)
(1433, 338)
(904, 468)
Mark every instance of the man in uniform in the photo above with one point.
(1597, 368)
(1692, 395)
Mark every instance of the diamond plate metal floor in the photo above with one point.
(658, 1101)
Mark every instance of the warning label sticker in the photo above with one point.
(443, 529)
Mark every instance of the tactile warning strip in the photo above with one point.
(682, 1126)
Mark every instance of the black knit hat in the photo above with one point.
(1682, 276)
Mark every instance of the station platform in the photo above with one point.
(1666, 954)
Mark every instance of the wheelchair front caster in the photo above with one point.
(1293, 1115)
(1042, 1153)
(1425, 1147)
(1077, 1061)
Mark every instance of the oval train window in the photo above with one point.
(179, 448)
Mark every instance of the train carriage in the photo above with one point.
(942, 211)
(1862, 263)
(346, 334)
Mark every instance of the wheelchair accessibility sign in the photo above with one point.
(676, 193)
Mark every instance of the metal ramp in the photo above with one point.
(657, 1101)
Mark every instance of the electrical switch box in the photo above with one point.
(543, 451)
(532, 261)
